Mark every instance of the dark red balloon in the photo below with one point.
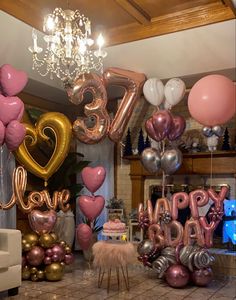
(177, 276)
(202, 277)
(177, 128)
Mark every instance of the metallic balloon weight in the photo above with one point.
(171, 161)
(207, 131)
(218, 130)
(145, 247)
(151, 160)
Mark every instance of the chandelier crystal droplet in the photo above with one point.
(68, 52)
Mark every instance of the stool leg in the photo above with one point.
(127, 275)
(118, 277)
(108, 280)
(100, 277)
(126, 283)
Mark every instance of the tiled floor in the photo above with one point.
(81, 283)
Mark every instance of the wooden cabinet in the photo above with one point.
(197, 163)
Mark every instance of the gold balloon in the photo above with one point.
(40, 274)
(23, 242)
(31, 238)
(54, 272)
(33, 270)
(68, 250)
(46, 240)
(54, 236)
(34, 277)
(63, 243)
(61, 127)
(27, 247)
(25, 274)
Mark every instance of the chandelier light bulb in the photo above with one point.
(67, 52)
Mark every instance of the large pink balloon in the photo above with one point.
(91, 206)
(15, 134)
(12, 108)
(212, 100)
(12, 80)
(93, 178)
(84, 235)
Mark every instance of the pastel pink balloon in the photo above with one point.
(177, 128)
(91, 206)
(12, 81)
(93, 178)
(84, 235)
(12, 108)
(42, 221)
(15, 134)
(2, 132)
(212, 100)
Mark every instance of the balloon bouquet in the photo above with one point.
(90, 206)
(163, 125)
(179, 253)
(12, 82)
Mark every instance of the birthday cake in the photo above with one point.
(114, 226)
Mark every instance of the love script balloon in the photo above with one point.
(60, 126)
(12, 80)
(42, 221)
(93, 178)
(91, 206)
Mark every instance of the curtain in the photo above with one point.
(101, 154)
(7, 165)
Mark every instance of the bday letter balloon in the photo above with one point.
(60, 126)
(153, 90)
(212, 100)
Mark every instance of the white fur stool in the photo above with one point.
(110, 255)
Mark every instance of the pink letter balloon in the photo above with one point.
(212, 100)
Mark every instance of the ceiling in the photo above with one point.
(136, 33)
(128, 20)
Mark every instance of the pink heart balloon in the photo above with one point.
(2, 133)
(42, 221)
(84, 235)
(93, 178)
(162, 122)
(177, 128)
(12, 108)
(12, 81)
(15, 134)
(91, 206)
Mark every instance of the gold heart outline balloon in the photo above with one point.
(61, 127)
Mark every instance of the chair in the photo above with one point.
(10, 260)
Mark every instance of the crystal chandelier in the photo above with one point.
(68, 52)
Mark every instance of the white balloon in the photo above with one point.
(153, 90)
(174, 91)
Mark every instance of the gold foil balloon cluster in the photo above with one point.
(44, 257)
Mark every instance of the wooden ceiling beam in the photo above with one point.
(230, 4)
(135, 11)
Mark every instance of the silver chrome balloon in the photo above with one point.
(169, 253)
(151, 160)
(145, 247)
(218, 130)
(171, 160)
(160, 265)
(207, 131)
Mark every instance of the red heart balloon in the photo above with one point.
(12, 80)
(177, 128)
(93, 178)
(91, 206)
(42, 221)
(84, 235)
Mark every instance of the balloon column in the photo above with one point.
(12, 81)
(90, 206)
(44, 257)
(175, 252)
(163, 125)
(212, 103)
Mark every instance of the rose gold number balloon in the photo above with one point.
(132, 82)
(93, 84)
